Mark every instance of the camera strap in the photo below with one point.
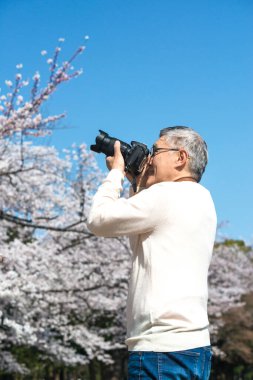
(134, 184)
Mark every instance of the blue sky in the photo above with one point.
(148, 65)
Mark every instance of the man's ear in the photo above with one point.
(182, 157)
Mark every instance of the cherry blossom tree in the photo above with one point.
(62, 290)
(61, 287)
(19, 119)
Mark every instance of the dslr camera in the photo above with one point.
(134, 155)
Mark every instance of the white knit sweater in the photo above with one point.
(172, 227)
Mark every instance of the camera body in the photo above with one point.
(134, 155)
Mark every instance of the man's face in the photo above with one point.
(162, 164)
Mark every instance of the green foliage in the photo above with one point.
(14, 232)
(231, 242)
(41, 367)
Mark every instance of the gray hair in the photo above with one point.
(192, 142)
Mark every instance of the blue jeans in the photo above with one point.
(188, 365)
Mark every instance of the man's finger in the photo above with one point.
(117, 148)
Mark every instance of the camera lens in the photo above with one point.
(105, 144)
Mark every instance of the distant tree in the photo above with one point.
(236, 336)
(235, 340)
(231, 282)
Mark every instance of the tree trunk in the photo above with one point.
(92, 370)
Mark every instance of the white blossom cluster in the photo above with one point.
(18, 114)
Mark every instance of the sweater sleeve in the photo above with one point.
(112, 216)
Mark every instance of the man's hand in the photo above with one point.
(141, 179)
(117, 161)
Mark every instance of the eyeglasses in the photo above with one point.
(155, 150)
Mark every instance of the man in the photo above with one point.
(171, 222)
